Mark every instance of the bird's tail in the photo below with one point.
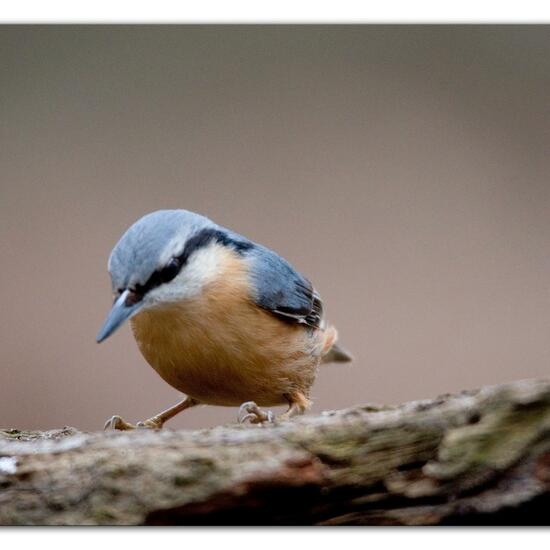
(332, 352)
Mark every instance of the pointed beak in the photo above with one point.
(119, 313)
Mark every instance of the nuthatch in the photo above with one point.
(220, 318)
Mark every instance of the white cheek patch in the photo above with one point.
(203, 267)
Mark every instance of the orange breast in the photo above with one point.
(222, 349)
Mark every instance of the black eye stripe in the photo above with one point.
(171, 270)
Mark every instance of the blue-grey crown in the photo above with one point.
(137, 254)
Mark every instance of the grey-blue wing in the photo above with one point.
(280, 289)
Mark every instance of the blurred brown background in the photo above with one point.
(404, 169)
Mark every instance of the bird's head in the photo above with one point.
(164, 257)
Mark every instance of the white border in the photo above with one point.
(281, 11)
(417, 538)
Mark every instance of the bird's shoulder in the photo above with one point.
(282, 290)
(277, 286)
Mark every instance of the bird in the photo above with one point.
(222, 319)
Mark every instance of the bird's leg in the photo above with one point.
(156, 422)
(293, 409)
(297, 404)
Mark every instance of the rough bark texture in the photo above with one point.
(480, 457)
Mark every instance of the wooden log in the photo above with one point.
(478, 457)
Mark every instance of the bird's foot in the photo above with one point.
(118, 423)
(250, 412)
(150, 424)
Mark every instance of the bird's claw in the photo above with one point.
(116, 422)
(151, 424)
(250, 412)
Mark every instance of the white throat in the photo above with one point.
(202, 268)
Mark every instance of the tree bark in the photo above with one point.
(478, 458)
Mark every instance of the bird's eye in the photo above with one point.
(170, 270)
